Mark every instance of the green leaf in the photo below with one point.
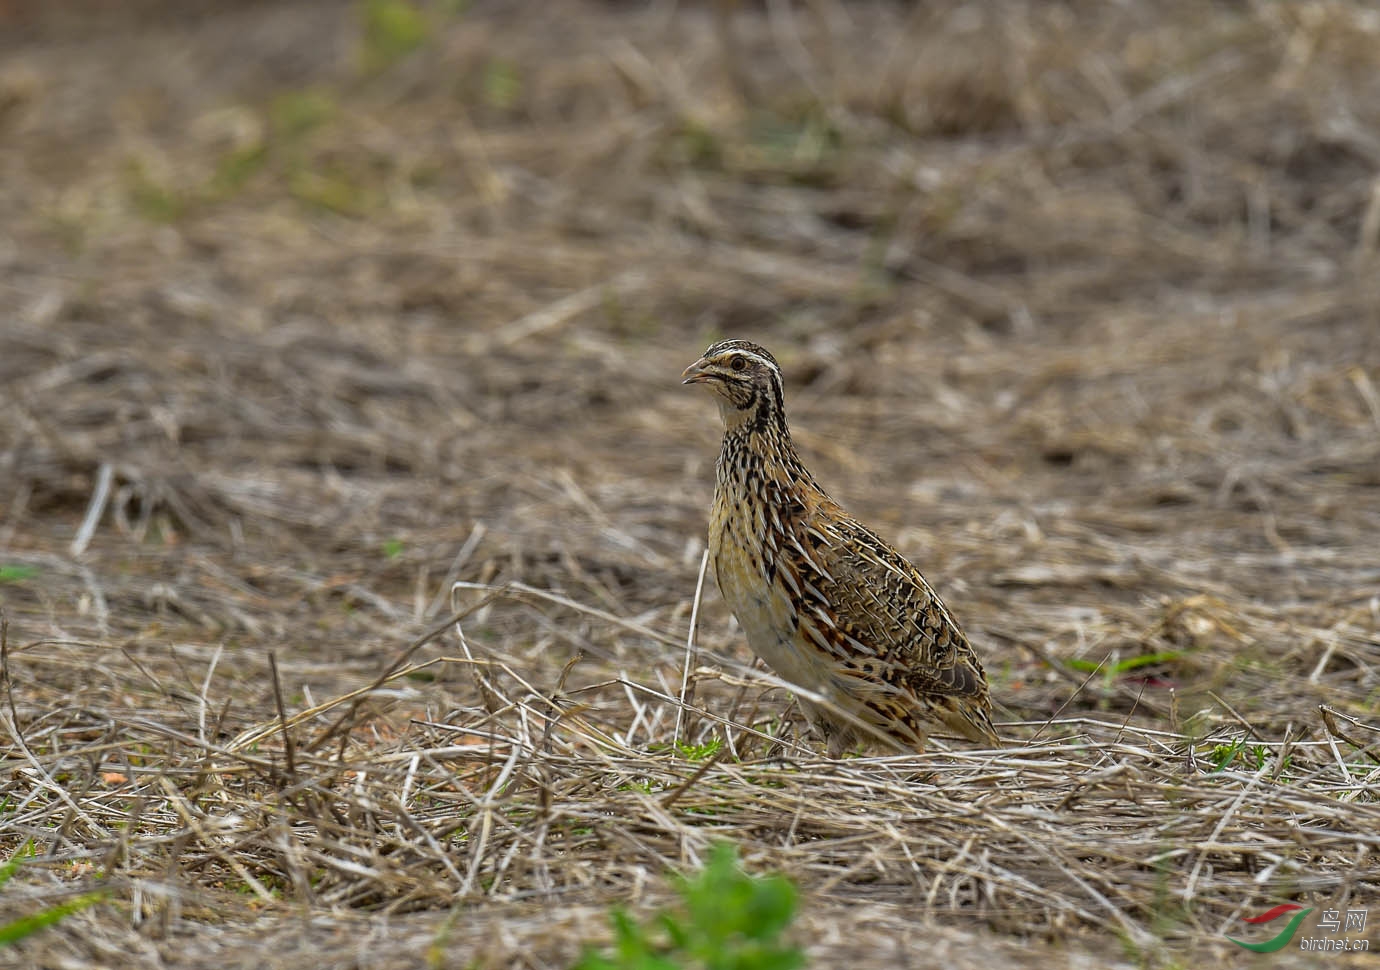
(17, 574)
(730, 920)
(1222, 755)
(676, 933)
(7, 871)
(1122, 666)
(17, 930)
(773, 906)
(699, 752)
(627, 937)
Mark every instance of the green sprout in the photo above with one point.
(727, 920)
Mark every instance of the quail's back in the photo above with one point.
(827, 604)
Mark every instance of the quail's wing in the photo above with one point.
(879, 611)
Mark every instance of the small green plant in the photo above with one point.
(393, 548)
(727, 920)
(1255, 757)
(699, 752)
(1261, 756)
(1222, 755)
(392, 30)
(644, 785)
(16, 574)
(1128, 664)
(18, 929)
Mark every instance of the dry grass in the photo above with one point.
(1078, 303)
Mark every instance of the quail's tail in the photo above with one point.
(974, 723)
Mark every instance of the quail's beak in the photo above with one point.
(695, 373)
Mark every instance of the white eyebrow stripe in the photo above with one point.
(736, 347)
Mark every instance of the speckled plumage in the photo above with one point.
(827, 604)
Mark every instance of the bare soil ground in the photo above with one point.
(309, 310)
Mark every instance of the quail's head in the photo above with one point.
(744, 377)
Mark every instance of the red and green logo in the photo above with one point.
(1281, 939)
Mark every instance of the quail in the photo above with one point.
(828, 605)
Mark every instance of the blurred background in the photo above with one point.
(403, 273)
(308, 309)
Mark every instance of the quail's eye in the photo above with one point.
(738, 363)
